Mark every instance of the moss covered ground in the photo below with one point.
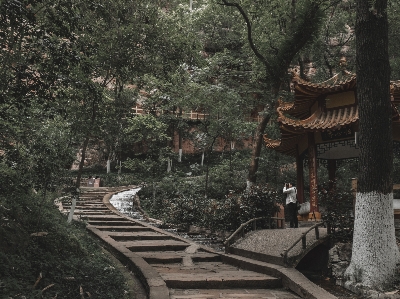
(41, 256)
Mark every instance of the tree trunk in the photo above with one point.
(108, 165)
(375, 252)
(169, 165)
(75, 195)
(180, 145)
(255, 155)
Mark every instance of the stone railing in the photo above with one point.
(241, 230)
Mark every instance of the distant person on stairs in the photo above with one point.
(291, 204)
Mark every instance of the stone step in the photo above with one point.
(146, 235)
(146, 245)
(129, 228)
(226, 279)
(231, 294)
(93, 212)
(86, 203)
(111, 217)
(169, 257)
(111, 223)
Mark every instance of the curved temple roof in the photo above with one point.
(321, 120)
(306, 93)
(295, 118)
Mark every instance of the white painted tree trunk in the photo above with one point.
(249, 184)
(108, 165)
(72, 210)
(202, 159)
(375, 252)
(180, 155)
(169, 166)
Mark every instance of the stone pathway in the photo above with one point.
(172, 267)
(269, 244)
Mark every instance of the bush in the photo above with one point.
(181, 202)
(115, 180)
(67, 256)
(337, 208)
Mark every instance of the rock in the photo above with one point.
(339, 268)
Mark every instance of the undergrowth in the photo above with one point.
(63, 262)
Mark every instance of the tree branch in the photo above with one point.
(249, 33)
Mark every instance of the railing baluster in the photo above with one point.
(255, 225)
(285, 252)
(304, 241)
(317, 232)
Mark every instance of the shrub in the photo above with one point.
(67, 256)
(181, 202)
(337, 211)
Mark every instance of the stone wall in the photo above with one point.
(339, 260)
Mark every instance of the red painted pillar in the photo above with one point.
(312, 166)
(300, 178)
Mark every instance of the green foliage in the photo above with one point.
(149, 134)
(181, 201)
(394, 38)
(337, 211)
(66, 257)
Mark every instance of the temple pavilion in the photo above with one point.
(321, 124)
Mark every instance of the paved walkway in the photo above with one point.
(171, 267)
(272, 242)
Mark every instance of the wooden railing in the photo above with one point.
(303, 239)
(241, 230)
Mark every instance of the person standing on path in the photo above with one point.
(291, 204)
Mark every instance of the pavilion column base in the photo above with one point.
(312, 216)
(303, 217)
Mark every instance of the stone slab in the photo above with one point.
(232, 294)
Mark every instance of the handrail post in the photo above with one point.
(317, 232)
(304, 241)
(255, 225)
(285, 252)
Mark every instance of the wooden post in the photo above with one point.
(304, 241)
(300, 178)
(312, 166)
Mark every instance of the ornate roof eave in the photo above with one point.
(320, 120)
(292, 132)
(287, 146)
(306, 93)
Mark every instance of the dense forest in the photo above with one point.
(72, 71)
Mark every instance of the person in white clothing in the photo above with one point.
(291, 204)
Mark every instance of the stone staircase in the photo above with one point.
(172, 267)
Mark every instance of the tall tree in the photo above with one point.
(294, 24)
(375, 252)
